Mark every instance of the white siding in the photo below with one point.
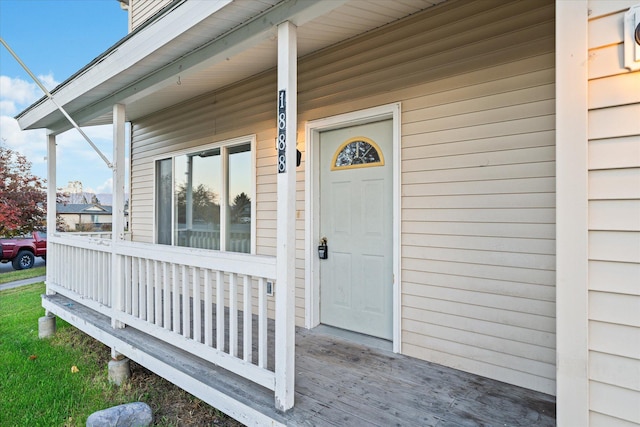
(614, 223)
(476, 83)
(141, 10)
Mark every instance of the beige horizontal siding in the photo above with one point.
(142, 10)
(476, 84)
(614, 223)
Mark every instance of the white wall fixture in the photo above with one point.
(632, 38)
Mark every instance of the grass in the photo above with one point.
(38, 387)
(22, 274)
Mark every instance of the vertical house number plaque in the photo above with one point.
(282, 132)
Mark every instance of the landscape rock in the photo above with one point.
(137, 414)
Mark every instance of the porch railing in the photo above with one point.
(213, 305)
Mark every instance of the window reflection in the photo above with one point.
(212, 210)
(239, 202)
(164, 178)
(197, 200)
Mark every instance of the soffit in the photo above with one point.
(232, 44)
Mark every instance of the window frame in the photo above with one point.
(224, 146)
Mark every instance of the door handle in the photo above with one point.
(323, 249)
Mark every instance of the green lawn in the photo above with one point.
(38, 387)
(22, 274)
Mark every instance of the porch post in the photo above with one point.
(51, 201)
(117, 212)
(286, 222)
(572, 224)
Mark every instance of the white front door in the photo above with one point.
(356, 207)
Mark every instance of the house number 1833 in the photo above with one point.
(282, 131)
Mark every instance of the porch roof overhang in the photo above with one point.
(191, 48)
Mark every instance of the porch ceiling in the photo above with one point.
(197, 47)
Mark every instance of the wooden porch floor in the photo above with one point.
(338, 382)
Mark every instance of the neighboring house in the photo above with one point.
(473, 165)
(85, 216)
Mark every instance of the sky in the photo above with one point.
(56, 38)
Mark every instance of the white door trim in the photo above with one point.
(312, 205)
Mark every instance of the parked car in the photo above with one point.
(22, 251)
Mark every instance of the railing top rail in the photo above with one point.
(79, 241)
(232, 262)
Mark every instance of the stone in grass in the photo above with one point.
(137, 414)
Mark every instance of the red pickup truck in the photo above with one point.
(22, 251)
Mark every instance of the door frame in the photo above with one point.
(312, 207)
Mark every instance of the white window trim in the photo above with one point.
(251, 139)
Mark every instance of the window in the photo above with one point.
(203, 198)
(357, 152)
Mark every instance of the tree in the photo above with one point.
(203, 204)
(22, 195)
(75, 193)
(240, 207)
(95, 200)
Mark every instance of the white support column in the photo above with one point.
(51, 201)
(572, 350)
(286, 222)
(117, 217)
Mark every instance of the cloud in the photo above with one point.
(22, 92)
(15, 95)
(76, 160)
(31, 144)
(106, 187)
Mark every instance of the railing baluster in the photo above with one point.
(157, 291)
(135, 284)
(208, 327)
(233, 314)
(186, 304)
(76, 281)
(149, 279)
(99, 277)
(262, 322)
(247, 323)
(166, 299)
(63, 272)
(92, 283)
(104, 277)
(142, 297)
(175, 307)
(197, 314)
(72, 283)
(220, 310)
(95, 281)
(106, 268)
(127, 285)
(84, 284)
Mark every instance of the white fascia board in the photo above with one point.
(143, 44)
